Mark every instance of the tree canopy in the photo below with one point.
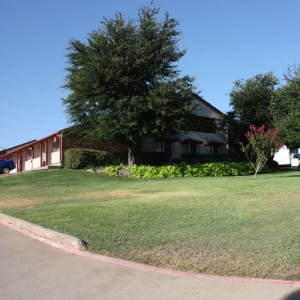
(285, 109)
(124, 80)
(263, 99)
(251, 99)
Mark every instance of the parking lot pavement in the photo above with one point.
(33, 270)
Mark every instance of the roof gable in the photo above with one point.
(206, 109)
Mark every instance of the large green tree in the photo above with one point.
(124, 80)
(285, 109)
(250, 100)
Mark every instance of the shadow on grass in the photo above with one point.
(281, 174)
(290, 174)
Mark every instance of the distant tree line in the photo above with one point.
(263, 99)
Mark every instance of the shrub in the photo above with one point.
(216, 169)
(113, 170)
(184, 170)
(81, 158)
(209, 158)
(147, 171)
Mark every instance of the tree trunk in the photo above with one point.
(255, 174)
(131, 158)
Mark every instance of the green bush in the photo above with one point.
(113, 170)
(209, 158)
(185, 170)
(145, 171)
(217, 169)
(82, 158)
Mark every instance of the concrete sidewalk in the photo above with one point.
(33, 270)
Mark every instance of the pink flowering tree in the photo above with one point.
(262, 144)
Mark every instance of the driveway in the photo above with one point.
(30, 269)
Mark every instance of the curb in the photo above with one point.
(62, 239)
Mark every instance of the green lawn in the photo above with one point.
(219, 225)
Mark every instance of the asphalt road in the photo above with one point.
(33, 270)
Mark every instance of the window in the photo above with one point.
(55, 144)
(166, 146)
(191, 148)
(216, 149)
(28, 153)
(37, 151)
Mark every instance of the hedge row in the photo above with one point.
(82, 158)
(184, 170)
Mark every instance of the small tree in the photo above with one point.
(262, 144)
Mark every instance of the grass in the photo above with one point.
(223, 225)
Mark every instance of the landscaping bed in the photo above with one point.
(213, 169)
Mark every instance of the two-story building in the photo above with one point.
(208, 136)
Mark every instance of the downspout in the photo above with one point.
(46, 152)
(41, 154)
(60, 140)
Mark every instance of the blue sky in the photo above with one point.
(226, 40)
